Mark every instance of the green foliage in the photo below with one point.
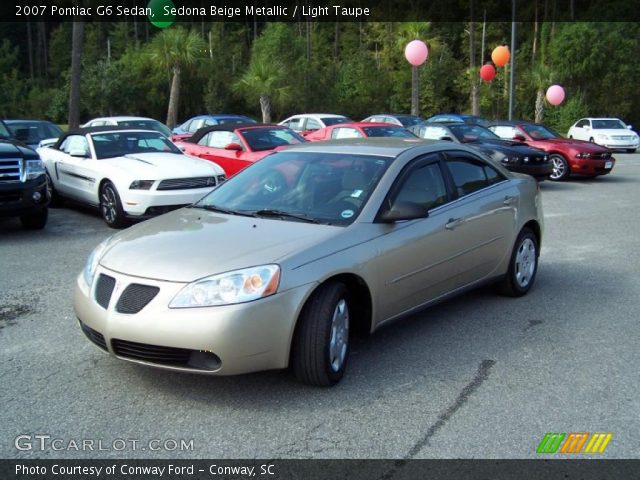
(563, 116)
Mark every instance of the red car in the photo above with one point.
(359, 130)
(235, 147)
(569, 156)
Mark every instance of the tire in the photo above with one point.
(35, 221)
(111, 206)
(591, 140)
(321, 344)
(560, 168)
(523, 266)
(56, 199)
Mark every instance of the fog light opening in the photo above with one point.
(204, 360)
(37, 196)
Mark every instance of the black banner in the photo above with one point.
(170, 11)
(317, 469)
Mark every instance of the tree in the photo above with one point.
(264, 79)
(76, 74)
(174, 50)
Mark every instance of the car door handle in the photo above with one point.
(509, 199)
(454, 223)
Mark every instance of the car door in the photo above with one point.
(418, 261)
(212, 147)
(580, 130)
(481, 219)
(73, 179)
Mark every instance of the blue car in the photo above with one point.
(32, 132)
(459, 118)
(189, 127)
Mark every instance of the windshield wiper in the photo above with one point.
(267, 212)
(215, 208)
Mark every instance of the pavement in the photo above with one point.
(480, 376)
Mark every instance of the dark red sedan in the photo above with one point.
(359, 130)
(235, 147)
(569, 156)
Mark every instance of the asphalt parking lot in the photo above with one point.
(481, 376)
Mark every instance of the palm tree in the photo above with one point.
(413, 31)
(541, 74)
(174, 50)
(264, 79)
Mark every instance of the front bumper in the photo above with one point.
(16, 198)
(618, 144)
(539, 171)
(223, 340)
(146, 203)
(592, 167)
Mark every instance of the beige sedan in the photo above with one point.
(280, 265)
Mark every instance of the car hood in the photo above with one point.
(190, 244)
(155, 166)
(572, 142)
(507, 147)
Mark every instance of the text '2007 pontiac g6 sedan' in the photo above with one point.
(281, 264)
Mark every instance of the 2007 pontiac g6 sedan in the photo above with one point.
(278, 266)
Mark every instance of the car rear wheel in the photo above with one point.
(321, 344)
(591, 140)
(560, 168)
(111, 206)
(523, 266)
(35, 221)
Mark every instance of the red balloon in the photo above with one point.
(487, 72)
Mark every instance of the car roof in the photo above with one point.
(590, 118)
(397, 115)
(104, 129)
(121, 118)
(379, 146)
(364, 124)
(228, 127)
(326, 115)
(16, 120)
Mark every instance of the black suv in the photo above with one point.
(23, 182)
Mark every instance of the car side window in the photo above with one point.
(221, 139)
(74, 143)
(582, 123)
(471, 175)
(504, 131)
(425, 186)
(195, 125)
(433, 133)
(312, 124)
(209, 123)
(345, 132)
(296, 124)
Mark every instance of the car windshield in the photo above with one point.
(410, 120)
(470, 133)
(387, 131)
(261, 139)
(327, 188)
(236, 120)
(328, 121)
(147, 125)
(608, 124)
(539, 132)
(33, 132)
(478, 120)
(117, 144)
(4, 133)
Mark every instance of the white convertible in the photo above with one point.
(127, 173)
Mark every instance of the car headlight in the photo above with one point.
(92, 262)
(33, 169)
(141, 185)
(583, 155)
(228, 288)
(602, 136)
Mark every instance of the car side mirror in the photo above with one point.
(629, 127)
(233, 146)
(587, 127)
(519, 137)
(446, 138)
(79, 153)
(401, 210)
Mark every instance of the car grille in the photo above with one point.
(10, 169)
(187, 183)
(622, 137)
(151, 353)
(104, 289)
(135, 297)
(95, 337)
(601, 156)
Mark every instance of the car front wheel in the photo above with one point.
(321, 344)
(111, 206)
(560, 168)
(523, 266)
(35, 221)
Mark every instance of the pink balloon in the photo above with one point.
(416, 52)
(555, 94)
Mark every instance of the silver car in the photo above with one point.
(281, 264)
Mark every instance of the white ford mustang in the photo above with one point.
(127, 173)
